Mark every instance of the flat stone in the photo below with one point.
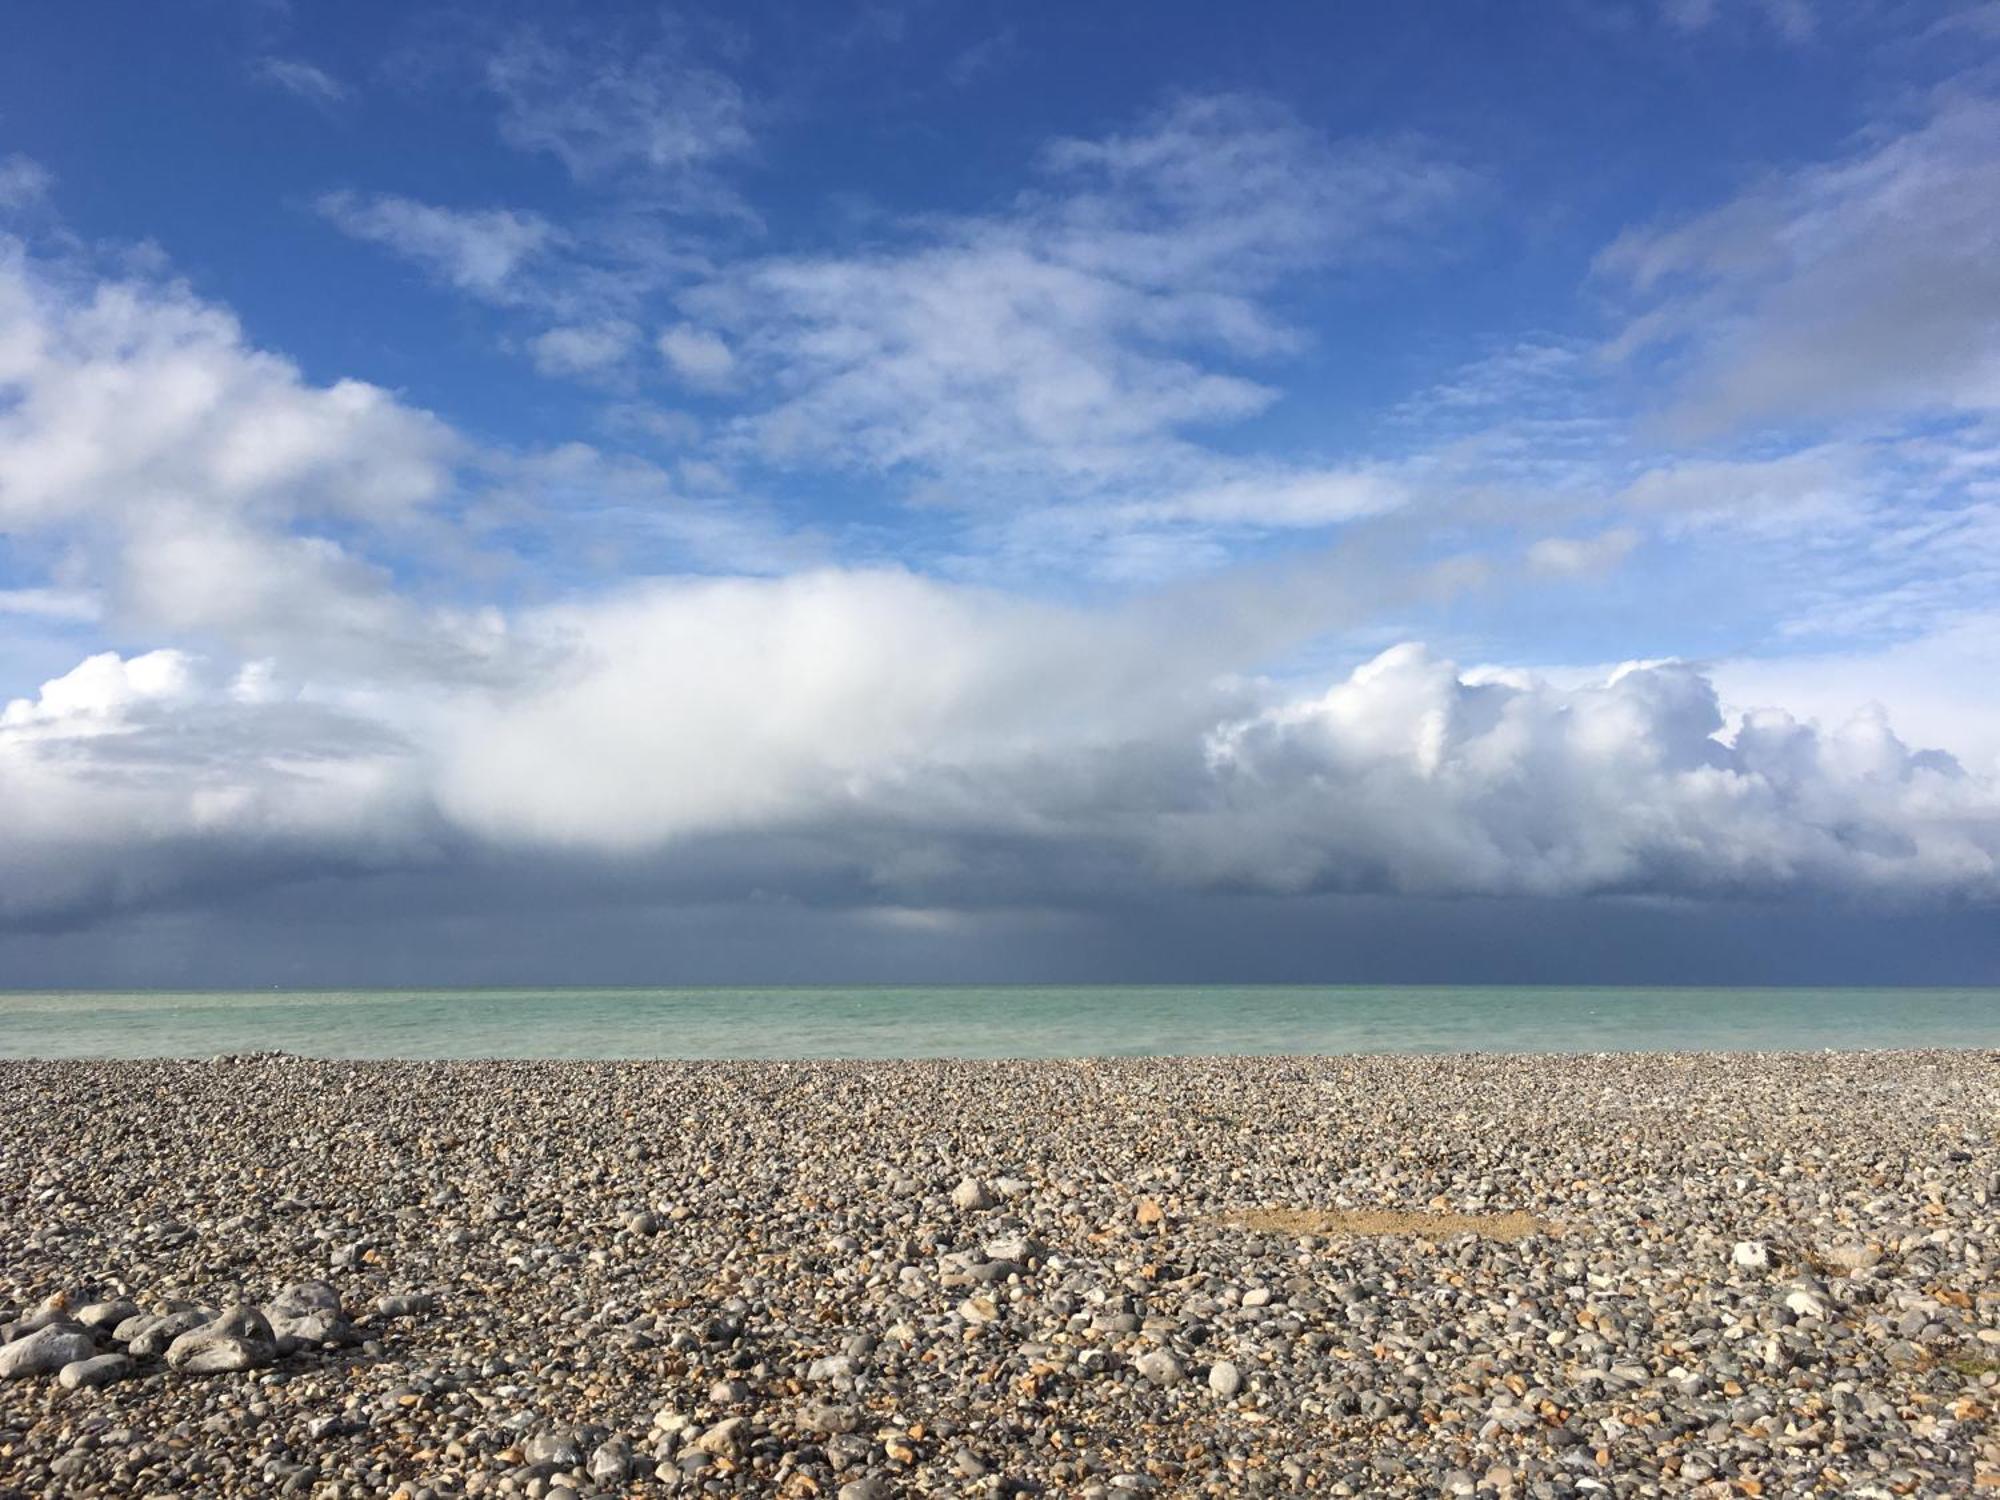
(150, 1337)
(239, 1339)
(45, 1351)
(100, 1370)
(106, 1315)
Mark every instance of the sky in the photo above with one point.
(936, 491)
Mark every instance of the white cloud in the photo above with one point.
(1278, 499)
(296, 76)
(74, 605)
(1073, 348)
(1579, 556)
(480, 251)
(630, 515)
(1803, 482)
(132, 780)
(194, 482)
(602, 110)
(23, 181)
(1055, 364)
(697, 356)
(1409, 777)
(900, 724)
(1791, 19)
(101, 688)
(1203, 507)
(1232, 191)
(1867, 285)
(584, 348)
(134, 394)
(1933, 685)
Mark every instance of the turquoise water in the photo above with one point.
(997, 1022)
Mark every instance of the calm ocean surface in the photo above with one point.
(978, 1022)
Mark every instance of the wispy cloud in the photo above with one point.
(1575, 556)
(23, 181)
(605, 111)
(697, 356)
(1790, 19)
(1070, 348)
(480, 251)
(296, 76)
(1870, 284)
(583, 348)
(74, 606)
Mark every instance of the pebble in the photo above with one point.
(610, 1461)
(1751, 1255)
(971, 1195)
(1525, 1278)
(101, 1369)
(1805, 1305)
(44, 1352)
(726, 1438)
(238, 1339)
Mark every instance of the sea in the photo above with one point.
(986, 1022)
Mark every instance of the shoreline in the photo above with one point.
(980, 1022)
(938, 1060)
(1367, 1273)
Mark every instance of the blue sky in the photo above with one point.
(900, 463)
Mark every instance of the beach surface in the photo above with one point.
(1709, 1274)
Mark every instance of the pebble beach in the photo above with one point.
(1720, 1275)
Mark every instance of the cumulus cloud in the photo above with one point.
(1411, 777)
(480, 251)
(901, 728)
(198, 484)
(743, 704)
(1931, 679)
(102, 688)
(900, 743)
(136, 780)
(133, 394)
(898, 728)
